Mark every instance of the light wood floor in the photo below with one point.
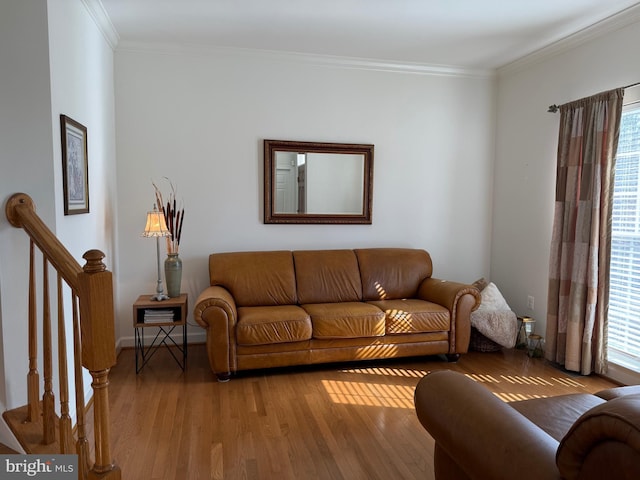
(349, 422)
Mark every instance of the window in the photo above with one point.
(624, 282)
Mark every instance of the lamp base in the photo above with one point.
(159, 297)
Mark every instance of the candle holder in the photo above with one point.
(535, 346)
(525, 329)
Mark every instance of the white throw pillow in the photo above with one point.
(492, 299)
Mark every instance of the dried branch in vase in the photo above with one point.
(173, 216)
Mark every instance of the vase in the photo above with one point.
(173, 274)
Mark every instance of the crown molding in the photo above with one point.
(306, 58)
(103, 22)
(615, 22)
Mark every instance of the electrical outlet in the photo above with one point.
(530, 302)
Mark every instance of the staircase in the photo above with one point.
(29, 433)
(86, 317)
(4, 450)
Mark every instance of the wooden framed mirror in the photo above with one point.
(314, 182)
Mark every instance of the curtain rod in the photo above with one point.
(554, 108)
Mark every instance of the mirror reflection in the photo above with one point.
(322, 183)
(311, 182)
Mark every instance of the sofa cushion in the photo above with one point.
(275, 324)
(327, 276)
(255, 278)
(346, 320)
(555, 415)
(392, 273)
(413, 316)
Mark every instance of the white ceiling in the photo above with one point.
(460, 33)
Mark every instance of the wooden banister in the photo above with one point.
(21, 213)
(93, 342)
(98, 350)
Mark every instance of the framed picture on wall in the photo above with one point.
(75, 166)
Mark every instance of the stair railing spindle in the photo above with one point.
(82, 444)
(48, 398)
(33, 377)
(65, 431)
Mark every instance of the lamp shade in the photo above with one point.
(156, 226)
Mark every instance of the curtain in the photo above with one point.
(581, 239)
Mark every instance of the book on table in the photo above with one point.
(157, 315)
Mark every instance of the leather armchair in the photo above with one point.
(578, 436)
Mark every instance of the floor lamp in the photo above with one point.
(157, 227)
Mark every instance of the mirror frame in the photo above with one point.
(273, 146)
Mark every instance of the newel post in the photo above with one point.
(98, 353)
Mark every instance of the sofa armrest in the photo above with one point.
(216, 311)
(214, 297)
(460, 299)
(482, 434)
(615, 392)
(447, 293)
(604, 442)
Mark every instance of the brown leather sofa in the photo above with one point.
(281, 308)
(578, 436)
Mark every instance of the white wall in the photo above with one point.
(82, 88)
(200, 119)
(81, 79)
(27, 166)
(54, 60)
(526, 155)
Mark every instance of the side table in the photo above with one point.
(165, 315)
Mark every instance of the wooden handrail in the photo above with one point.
(21, 213)
(94, 340)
